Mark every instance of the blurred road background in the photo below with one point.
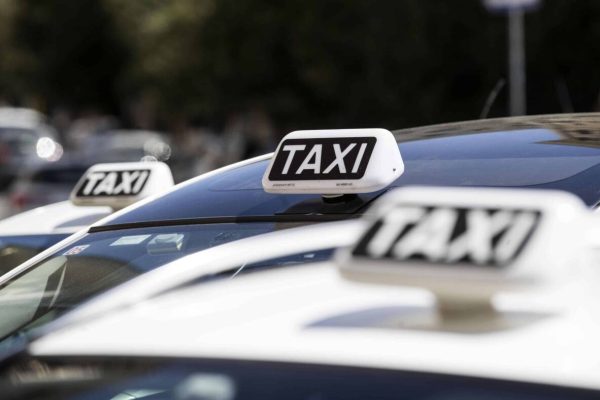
(203, 83)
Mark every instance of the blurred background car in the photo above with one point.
(124, 146)
(26, 141)
(45, 184)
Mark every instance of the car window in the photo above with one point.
(102, 260)
(154, 379)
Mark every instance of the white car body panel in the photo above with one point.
(310, 315)
(62, 217)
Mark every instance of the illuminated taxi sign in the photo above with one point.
(466, 244)
(119, 184)
(334, 162)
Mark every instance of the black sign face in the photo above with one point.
(114, 183)
(436, 235)
(322, 158)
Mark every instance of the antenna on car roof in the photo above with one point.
(489, 102)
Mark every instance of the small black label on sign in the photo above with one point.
(114, 183)
(322, 158)
(436, 235)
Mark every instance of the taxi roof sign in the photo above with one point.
(118, 185)
(338, 161)
(466, 244)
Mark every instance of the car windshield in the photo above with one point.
(102, 260)
(154, 379)
(15, 250)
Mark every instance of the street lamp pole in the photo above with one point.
(516, 62)
(515, 9)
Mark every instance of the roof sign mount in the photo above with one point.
(338, 198)
(465, 245)
(334, 162)
(118, 185)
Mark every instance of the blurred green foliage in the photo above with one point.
(307, 63)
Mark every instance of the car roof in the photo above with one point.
(57, 218)
(580, 127)
(21, 117)
(549, 152)
(123, 138)
(310, 315)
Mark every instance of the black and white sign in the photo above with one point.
(118, 185)
(446, 235)
(323, 158)
(338, 161)
(114, 183)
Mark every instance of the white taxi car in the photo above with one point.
(24, 235)
(26, 139)
(446, 294)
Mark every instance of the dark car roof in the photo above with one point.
(550, 152)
